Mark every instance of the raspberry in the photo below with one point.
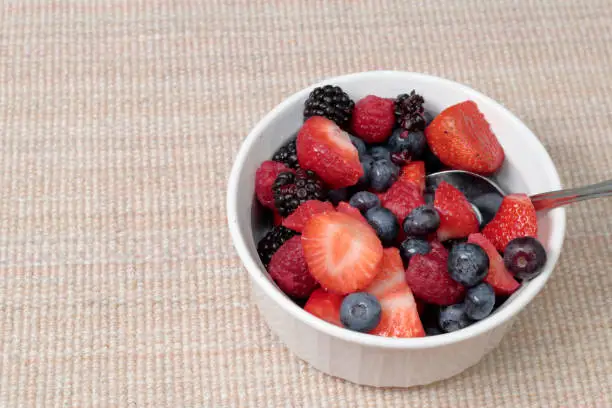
(289, 270)
(373, 119)
(264, 179)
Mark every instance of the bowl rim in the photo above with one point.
(479, 328)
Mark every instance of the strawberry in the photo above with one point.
(414, 172)
(325, 305)
(457, 217)
(401, 198)
(278, 219)
(304, 212)
(343, 254)
(373, 119)
(462, 138)
(516, 217)
(427, 276)
(289, 270)
(498, 277)
(348, 209)
(399, 317)
(264, 179)
(328, 151)
(390, 276)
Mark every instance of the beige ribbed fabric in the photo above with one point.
(119, 285)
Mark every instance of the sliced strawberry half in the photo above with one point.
(516, 217)
(304, 212)
(462, 138)
(348, 209)
(343, 254)
(498, 277)
(327, 150)
(428, 277)
(457, 217)
(325, 305)
(414, 172)
(390, 276)
(400, 316)
(402, 198)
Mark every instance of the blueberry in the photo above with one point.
(384, 223)
(406, 146)
(429, 198)
(364, 200)
(366, 162)
(468, 264)
(359, 145)
(413, 246)
(382, 174)
(479, 301)
(380, 153)
(335, 196)
(433, 331)
(421, 221)
(453, 318)
(525, 257)
(428, 118)
(360, 311)
(487, 204)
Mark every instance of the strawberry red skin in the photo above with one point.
(289, 270)
(498, 277)
(516, 217)
(373, 119)
(457, 217)
(343, 254)
(264, 179)
(278, 219)
(348, 209)
(325, 305)
(400, 316)
(414, 172)
(304, 212)
(327, 150)
(428, 277)
(462, 139)
(402, 198)
(390, 276)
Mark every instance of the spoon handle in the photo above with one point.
(554, 199)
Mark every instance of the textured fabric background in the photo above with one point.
(119, 120)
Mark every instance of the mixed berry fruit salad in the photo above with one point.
(363, 241)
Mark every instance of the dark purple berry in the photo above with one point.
(468, 264)
(452, 318)
(364, 200)
(525, 257)
(384, 223)
(422, 221)
(413, 246)
(479, 301)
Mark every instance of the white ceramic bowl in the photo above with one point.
(364, 358)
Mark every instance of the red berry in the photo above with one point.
(462, 138)
(289, 270)
(499, 277)
(402, 198)
(457, 217)
(428, 277)
(414, 172)
(264, 179)
(390, 276)
(328, 151)
(304, 212)
(342, 253)
(515, 218)
(325, 305)
(400, 315)
(348, 209)
(373, 119)
(278, 219)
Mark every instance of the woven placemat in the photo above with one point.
(119, 121)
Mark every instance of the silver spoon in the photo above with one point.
(485, 195)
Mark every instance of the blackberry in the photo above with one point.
(331, 102)
(290, 190)
(273, 240)
(409, 111)
(287, 154)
